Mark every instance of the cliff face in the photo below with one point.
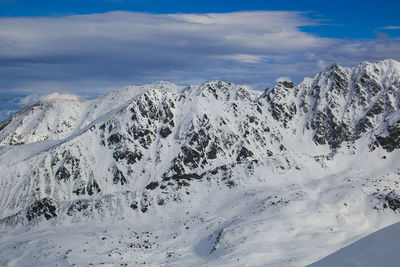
(340, 104)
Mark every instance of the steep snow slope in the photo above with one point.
(171, 138)
(58, 119)
(220, 173)
(377, 249)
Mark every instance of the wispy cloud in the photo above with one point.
(101, 50)
(29, 99)
(58, 96)
(88, 54)
(283, 79)
(32, 98)
(390, 28)
(242, 58)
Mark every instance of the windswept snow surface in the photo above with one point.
(283, 220)
(210, 175)
(377, 249)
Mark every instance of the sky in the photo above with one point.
(83, 49)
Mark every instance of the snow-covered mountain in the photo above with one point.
(211, 174)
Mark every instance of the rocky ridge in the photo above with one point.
(143, 149)
(165, 136)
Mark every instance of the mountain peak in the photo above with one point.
(226, 90)
(287, 84)
(194, 172)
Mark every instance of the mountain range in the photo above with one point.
(214, 174)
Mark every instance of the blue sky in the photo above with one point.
(88, 48)
(344, 19)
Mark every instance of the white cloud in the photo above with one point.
(238, 31)
(390, 28)
(84, 53)
(322, 64)
(120, 48)
(243, 58)
(33, 98)
(29, 99)
(283, 79)
(58, 96)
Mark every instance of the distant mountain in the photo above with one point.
(237, 158)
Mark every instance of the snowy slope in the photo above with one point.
(58, 119)
(377, 249)
(219, 173)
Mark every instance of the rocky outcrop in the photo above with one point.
(157, 140)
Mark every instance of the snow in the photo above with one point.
(323, 213)
(377, 249)
(290, 202)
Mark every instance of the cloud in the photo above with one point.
(390, 28)
(29, 99)
(322, 64)
(88, 55)
(283, 79)
(57, 96)
(118, 48)
(242, 58)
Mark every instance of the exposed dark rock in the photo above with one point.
(140, 133)
(72, 164)
(143, 135)
(115, 138)
(93, 187)
(152, 185)
(45, 207)
(80, 189)
(4, 123)
(54, 161)
(217, 240)
(165, 131)
(182, 179)
(176, 168)
(288, 84)
(118, 177)
(212, 152)
(78, 206)
(392, 140)
(393, 200)
(230, 183)
(218, 169)
(244, 154)
(131, 157)
(62, 174)
(186, 176)
(363, 125)
(191, 157)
